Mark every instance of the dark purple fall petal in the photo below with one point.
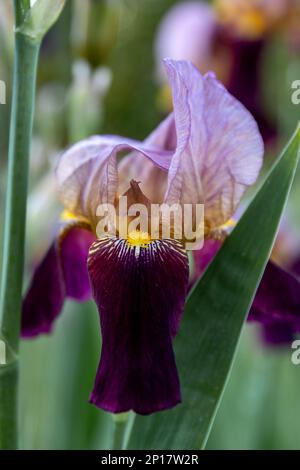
(74, 252)
(278, 296)
(203, 257)
(277, 305)
(140, 293)
(62, 273)
(278, 334)
(45, 297)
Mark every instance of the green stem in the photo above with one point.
(24, 78)
(25, 66)
(120, 422)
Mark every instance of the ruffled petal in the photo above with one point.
(219, 148)
(87, 173)
(140, 293)
(62, 273)
(152, 178)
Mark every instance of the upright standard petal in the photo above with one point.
(62, 273)
(87, 173)
(140, 293)
(219, 148)
(152, 178)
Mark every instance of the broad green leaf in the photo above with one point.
(215, 312)
(39, 18)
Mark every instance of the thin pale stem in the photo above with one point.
(120, 423)
(24, 78)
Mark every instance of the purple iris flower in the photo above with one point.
(208, 151)
(229, 38)
(276, 306)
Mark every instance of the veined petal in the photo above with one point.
(219, 148)
(87, 173)
(62, 273)
(152, 178)
(140, 293)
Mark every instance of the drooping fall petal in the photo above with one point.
(62, 273)
(140, 293)
(277, 304)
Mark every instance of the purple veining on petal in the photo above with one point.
(136, 166)
(219, 149)
(140, 293)
(62, 273)
(87, 173)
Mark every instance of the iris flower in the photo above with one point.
(276, 306)
(207, 151)
(229, 38)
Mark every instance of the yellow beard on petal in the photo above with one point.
(136, 238)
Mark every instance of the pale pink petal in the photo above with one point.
(186, 33)
(153, 179)
(87, 173)
(219, 148)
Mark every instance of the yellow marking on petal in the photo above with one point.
(67, 216)
(139, 239)
(229, 224)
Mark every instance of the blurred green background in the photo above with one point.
(97, 75)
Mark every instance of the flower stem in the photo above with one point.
(120, 423)
(24, 77)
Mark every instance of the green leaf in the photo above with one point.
(39, 18)
(215, 312)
